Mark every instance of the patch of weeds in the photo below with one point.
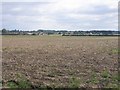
(105, 74)
(115, 82)
(24, 84)
(93, 79)
(21, 83)
(12, 84)
(116, 78)
(107, 80)
(0, 83)
(74, 82)
(116, 51)
(112, 85)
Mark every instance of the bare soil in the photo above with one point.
(58, 61)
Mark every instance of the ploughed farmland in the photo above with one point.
(59, 61)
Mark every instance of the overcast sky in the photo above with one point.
(60, 14)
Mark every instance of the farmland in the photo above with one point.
(59, 61)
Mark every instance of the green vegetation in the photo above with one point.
(12, 84)
(116, 51)
(60, 32)
(0, 84)
(74, 82)
(22, 83)
(106, 81)
(110, 81)
(93, 78)
(105, 74)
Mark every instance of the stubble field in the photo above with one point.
(57, 61)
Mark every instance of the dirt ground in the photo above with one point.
(58, 61)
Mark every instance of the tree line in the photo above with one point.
(61, 32)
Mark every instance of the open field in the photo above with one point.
(56, 61)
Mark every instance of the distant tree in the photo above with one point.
(4, 31)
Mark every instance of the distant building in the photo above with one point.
(29, 33)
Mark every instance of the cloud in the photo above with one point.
(60, 14)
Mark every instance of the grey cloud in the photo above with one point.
(98, 10)
(27, 8)
(11, 17)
